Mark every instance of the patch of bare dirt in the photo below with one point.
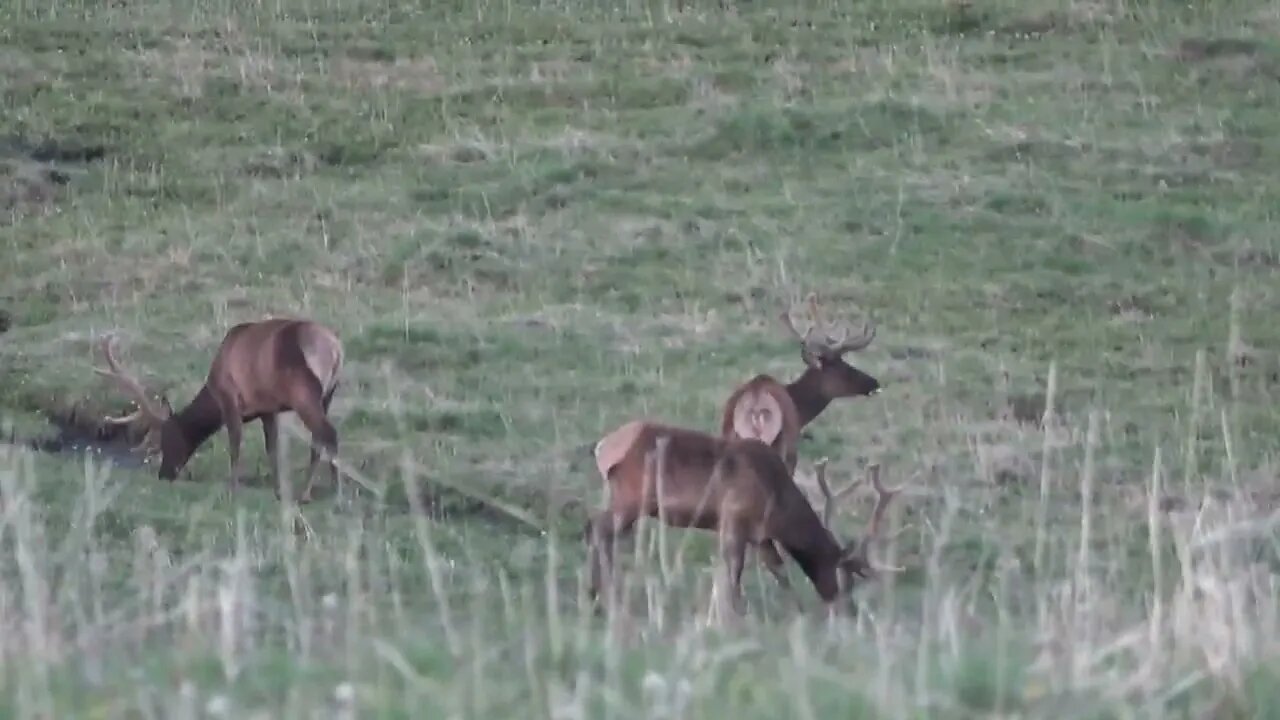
(279, 163)
(1196, 50)
(1082, 15)
(1131, 309)
(1231, 154)
(1258, 258)
(28, 188)
(188, 64)
(1233, 60)
(77, 428)
(1191, 234)
(1005, 464)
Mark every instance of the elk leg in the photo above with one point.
(311, 470)
(334, 477)
(323, 436)
(234, 422)
(234, 429)
(270, 440)
(733, 550)
(773, 562)
(603, 531)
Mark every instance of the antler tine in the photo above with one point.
(829, 500)
(859, 342)
(815, 310)
(802, 337)
(884, 497)
(122, 419)
(127, 382)
(844, 344)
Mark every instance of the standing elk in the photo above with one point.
(261, 369)
(740, 489)
(765, 409)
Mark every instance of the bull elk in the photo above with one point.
(741, 489)
(260, 370)
(768, 410)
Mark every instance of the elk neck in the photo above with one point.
(200, 418)
(807, 394)
(815, 550)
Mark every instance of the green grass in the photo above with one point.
(530, 222)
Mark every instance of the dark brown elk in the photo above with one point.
(260, 370)
(768, 410)
(740, 489)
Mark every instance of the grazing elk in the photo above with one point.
(261, 369)
(740, 489)
(774, 413)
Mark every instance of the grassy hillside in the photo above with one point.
(530, 222)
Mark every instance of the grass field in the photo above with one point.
(530, 222)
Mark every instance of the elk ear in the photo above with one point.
(164, 402)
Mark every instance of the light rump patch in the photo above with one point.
(758, 414)
(614, 446)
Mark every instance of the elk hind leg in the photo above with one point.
(603, 531)
(774, 563)
(313, 411)
(733, 551)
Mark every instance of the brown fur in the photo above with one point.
(738, 488)
(260, 370)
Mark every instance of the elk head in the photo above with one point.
(825, 356)
(855, 557)
(160, 433)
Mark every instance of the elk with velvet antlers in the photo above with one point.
(260, 370)
(768, 410)
(740, 489)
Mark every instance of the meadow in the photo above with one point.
(531, 222)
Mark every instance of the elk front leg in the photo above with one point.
(270, 440)
(235, 429)
(773, 562)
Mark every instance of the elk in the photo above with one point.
(768, 410)
(260, 370)
(765, 409)
(739, 488)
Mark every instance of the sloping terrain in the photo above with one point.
(532, 222)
